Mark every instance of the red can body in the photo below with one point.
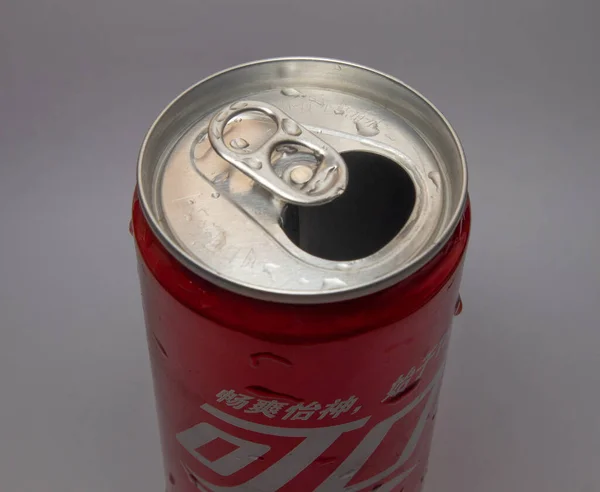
(261, 396)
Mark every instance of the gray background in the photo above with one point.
(82, 80)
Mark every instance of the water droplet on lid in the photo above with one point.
(252, 162)
(435, 177)
(191, 201)
(291, 127)
(338, 111)
(291, 92)
(215, 194)
(238, 105)
(301, 174)
(367, 130)
(270, 268)
(216, 131)
(304, 281)
(343, 266)
(337, 67)
(187, 217)
(239, 143)
(221, 177)
(333, 283)
(221, 116)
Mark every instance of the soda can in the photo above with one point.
(300, 225)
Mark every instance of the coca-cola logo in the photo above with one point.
(312, 443)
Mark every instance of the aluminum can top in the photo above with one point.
(302, 180)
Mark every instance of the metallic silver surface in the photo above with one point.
(217, 221)
(321, 185)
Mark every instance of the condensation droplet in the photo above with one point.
(291, 127)
(216, 131)
(221, 177)
(367, 130)
(215, 194)
(435, 177)
(338, 111)
(191, 201)
(343, 266)
(303, 280)
(271, 268)
(252, 162)
(333, 283)
(221, 116)
(238, 105)
(239, 143)
(257, 358)
(325, 460)
(291, 92)
(458, 307)
(160, 346)
(337, 67)
(187, 217)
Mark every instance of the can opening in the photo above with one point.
(375, 206)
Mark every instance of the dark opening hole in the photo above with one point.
(375, 206)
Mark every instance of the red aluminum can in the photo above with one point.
(301, 226)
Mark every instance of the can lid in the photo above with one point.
(302, 180)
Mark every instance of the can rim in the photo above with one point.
(306, 297)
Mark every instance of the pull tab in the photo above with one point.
(307, 187)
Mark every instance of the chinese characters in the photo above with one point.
(415, 373)
(285, 411)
